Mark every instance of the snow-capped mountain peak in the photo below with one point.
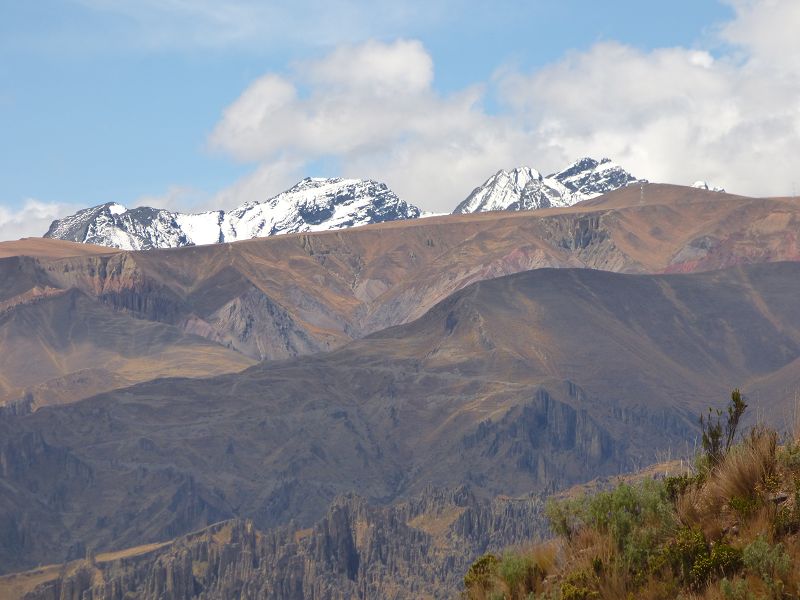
(313, 204)
(116, 209)
(524, 188)
(703, 185)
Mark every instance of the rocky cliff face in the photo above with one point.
(416, 549)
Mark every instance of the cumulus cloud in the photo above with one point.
(359, 98)
(374, 109)
(671, 114)
(730, 115)
(32, 219)
(267, 180)
(175, 198)
(766, 32)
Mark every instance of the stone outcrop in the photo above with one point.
(416, 549)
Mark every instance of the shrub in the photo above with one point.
(565, 517)
(684, 551)
(700, 572)
(570, 591)
(716, 437)
(481, 573)
(637, 518)
(693, 564)
(769, 562)
(676, 485)
(725, 559)
(789, 455)
(520, 574)
(736, 590)
(743, 506)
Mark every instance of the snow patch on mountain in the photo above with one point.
(314, 204)
(703, 185)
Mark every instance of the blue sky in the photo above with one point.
(141, 101)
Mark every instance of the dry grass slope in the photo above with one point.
(726, 531)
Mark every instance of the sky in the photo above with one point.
(198, 104)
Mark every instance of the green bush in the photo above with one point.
(736, 590)
(694, 564)
(519, 572)
(481, 573)
(789, 455)
(743, 506)
(676, 485)
(725, 559)
(565, 516)
(769, 562)
(570, 591)
(636, 517)
(686, 549)
(700, 572)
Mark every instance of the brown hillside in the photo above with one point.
(292, 295)
(529, 382)
(46, 248)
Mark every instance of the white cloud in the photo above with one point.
(176, 198)
(766, 32)
(376, 69)
(32, 219)
(267, 180)
(359, 97)
(373, 108)
(671, 114)
(678, 114)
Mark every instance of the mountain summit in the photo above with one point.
(318, 204)
(524, 188)
(314, 204)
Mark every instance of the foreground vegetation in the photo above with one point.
(729, 529)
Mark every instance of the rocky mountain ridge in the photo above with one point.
(314, 204)
(319, 204)
(525, 188)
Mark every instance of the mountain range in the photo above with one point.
(317, 204)
(514, 385)
(473, 349)
(87, 319)
(360, 412)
